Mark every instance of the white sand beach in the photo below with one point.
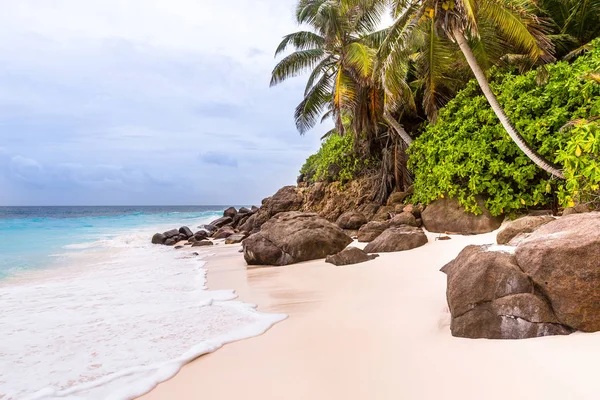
(376, 330)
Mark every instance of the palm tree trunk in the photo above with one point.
(398, 128)
(504, 120)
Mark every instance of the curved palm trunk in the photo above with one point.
(398, 128)
(504, 120)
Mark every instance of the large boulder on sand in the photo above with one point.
(521, 227)
(447, 215)
(397, 238)
(292, 237)
(371, 230)
(489, 296)
(350, 255)
(563, 259)
(351, 220)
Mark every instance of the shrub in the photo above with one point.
(335, 161)
(581, 160)
(468, 153)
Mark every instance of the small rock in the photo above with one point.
(171, 233)
(230, 212)
(350, 255)
(224, 232)
(184, 230)
(521, 226)
(221, 222)
(404, 218)
(210, 229)
(351, 220)
(578, 209)
(236, 238)
(397, 198)
(203, 243)
(171, 241)
(371, 230)
(159, 238)
(399, 238)
(178, 247)
(384, 213)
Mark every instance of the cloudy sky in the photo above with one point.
(106, 102)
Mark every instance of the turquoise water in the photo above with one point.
(34, 237)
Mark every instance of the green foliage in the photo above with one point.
(468, 153)
(581, 159)
(335, 161)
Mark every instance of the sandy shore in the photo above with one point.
(377, 330)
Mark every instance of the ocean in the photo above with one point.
(92, 310)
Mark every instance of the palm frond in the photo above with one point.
(308, 111)
(295, 64)
(303, 40)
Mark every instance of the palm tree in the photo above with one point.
(463, 23)
(338, 50)
(575, 23)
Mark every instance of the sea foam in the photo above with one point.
(124, 316)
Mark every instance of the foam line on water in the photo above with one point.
(122, 317)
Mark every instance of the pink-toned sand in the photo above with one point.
(377, 330)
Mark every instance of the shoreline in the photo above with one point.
(377, 330)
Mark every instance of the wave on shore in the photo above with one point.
(123, 316)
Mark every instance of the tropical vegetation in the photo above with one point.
(510, 134)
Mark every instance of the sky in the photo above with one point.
(146, 102)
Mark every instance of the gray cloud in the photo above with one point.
(98, 106)
(219, 159)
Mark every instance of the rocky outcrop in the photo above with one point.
(489, 296)
(351, 220)
(563, 259)
(350, 255)
(330, 200)
(448, 216)
(221, 228)
(397, 238)
(292, 237)
(521, 227)
(371, 231)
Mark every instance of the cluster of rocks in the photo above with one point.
(542, 279)
(227, 227)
